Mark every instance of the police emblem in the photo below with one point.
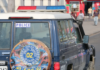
(30, 55)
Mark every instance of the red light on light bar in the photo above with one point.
(26, 8)
(20, 17)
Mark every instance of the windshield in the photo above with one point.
(39, 31)
(5, 35)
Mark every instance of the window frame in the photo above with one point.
(10, 34)
(78, 5)
(29, 21)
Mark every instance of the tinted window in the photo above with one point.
(39, 31)
(74, 32)
(66, 30)
(68, 25)
(78, 36)
(62, 30)
(5, 35)
(71, 29)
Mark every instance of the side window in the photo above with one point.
(62, 30)
(78, 36)
(5, 35)
(68, 29)
(71, 28)
(73, 32)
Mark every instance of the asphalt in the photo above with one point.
(90, 28)
(95, 40)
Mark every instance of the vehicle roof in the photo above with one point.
(37, 15)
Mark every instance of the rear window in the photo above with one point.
(5, 35)
(39, 31)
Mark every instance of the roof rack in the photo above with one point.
(41, 9)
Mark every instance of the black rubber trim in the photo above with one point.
(93, 50)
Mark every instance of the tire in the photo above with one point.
(91, 64)
(70, 67)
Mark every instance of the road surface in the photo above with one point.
(95, 40)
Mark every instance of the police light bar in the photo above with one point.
(41, 8)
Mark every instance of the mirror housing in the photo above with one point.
(85, 39)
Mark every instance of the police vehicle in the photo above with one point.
(43, 38)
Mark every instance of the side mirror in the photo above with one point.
(86, 39)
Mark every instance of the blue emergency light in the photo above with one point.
(55, 7)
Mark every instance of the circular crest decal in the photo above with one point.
(30, 55)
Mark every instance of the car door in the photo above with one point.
(68, 50)
(81, 50)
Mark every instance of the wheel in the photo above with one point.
(91, 64)
(70, 67)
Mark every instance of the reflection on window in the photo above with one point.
(68, 28)
(67, 31)
(78, 36)
(39, 31)
(5, 35)
(71, 28)
(62, 30)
